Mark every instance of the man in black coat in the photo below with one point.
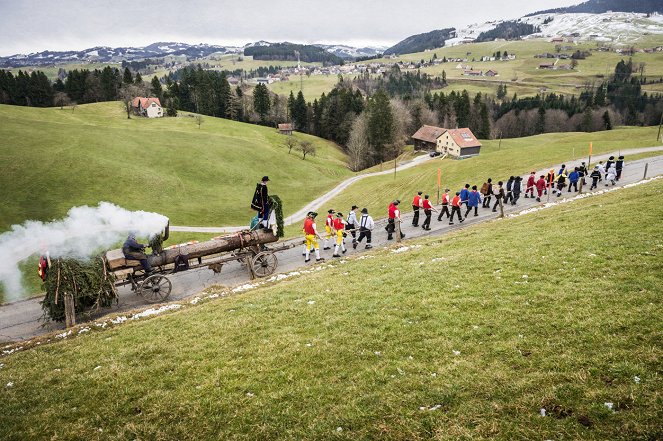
(260, 201)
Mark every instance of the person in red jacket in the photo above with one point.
(455, 208)
(339, 229)
(445, 205)
(428, 210)
(311, 235)
(540, 187)
(531, 183)
(416, 205)
(394, 216)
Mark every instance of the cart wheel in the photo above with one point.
(156, 288)
(264, 264)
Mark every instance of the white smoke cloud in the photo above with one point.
(83, 232)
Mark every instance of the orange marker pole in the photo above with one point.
(439, 174)
(589, 161)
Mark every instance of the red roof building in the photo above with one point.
(426, 137)
(460, 143)
(285, 129)
(149, 107)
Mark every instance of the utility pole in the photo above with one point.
(499, 146)
(299, 69)
(658, 137)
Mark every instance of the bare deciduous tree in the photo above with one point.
(127, 93)
(290, 143)
(307, 148)
(61, 99)
(199, 120)
(358, 147)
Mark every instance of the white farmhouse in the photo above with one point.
(149, 107)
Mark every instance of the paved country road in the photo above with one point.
(315, 205)
(21, 320)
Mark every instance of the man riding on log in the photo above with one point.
(136, 251)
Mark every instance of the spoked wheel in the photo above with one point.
(156, 288)
(264, 264)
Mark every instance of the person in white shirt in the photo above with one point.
(366, 225)
(351, 223)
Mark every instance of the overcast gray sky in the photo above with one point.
(37, 25)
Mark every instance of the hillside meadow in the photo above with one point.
(522, 75)
(474, 335)
(55, 159)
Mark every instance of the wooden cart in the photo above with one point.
(247, 247)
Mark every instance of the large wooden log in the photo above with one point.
(215, 246)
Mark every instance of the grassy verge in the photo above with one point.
(467, 336)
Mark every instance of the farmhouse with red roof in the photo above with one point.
(149, 107)
(460, 143)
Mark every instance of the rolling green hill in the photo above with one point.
(54, 159)
(467, 336)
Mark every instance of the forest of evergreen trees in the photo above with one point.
(508, 30)
(286, 52)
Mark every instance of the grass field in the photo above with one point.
(54, 159)
(524, 69)
(467, 336)
(312, 86)
(513, 156)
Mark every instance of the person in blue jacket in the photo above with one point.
(574, 177)
(464, 194)
(473, 201)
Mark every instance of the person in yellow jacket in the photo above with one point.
(329, 226)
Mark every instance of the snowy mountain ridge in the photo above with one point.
(616, 27)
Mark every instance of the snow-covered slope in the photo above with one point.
(618, 27)
(344, 51)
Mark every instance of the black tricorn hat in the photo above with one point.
(265, 178)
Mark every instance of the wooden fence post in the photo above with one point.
(645, 175)
(501, 208)
(69, 310)
(397, 221)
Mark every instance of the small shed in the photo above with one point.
(285, 129)
(426, 137)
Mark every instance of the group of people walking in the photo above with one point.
(470, 197)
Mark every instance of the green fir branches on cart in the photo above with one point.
(276, 205)
(89, 281)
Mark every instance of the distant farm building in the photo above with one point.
(473, 73)
(285, 129)
(148, 107)
(491, 73)
(426, 137)
(547, 66)
(460, 143)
